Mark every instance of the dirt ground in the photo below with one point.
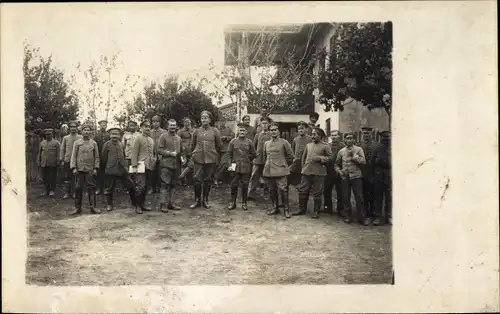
(198, 246)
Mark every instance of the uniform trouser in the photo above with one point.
(141, 186)
(154, 178)
(222, 167)
(312, 185)
(383, 191)
(255, 178)
(240, 179)
(368, 191)
(69, 178)
(168, 177)
(203, 175)
(356, 185)
(100, 178)
(83, 179)
(333, 181)
(110, 183)
(277, 185)
(49, 175)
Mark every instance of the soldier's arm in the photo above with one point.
(218, 140)
(338, 162)
(294, 145)
(161, 147)
(136, 146)
(124, 141)
(359, 158)
(328, 155)
(74, 155)
(288, 152)
(194, 139)
(230, 148)
(39, 157)
(58, 151)
(255, 141)
(63, 149)
(104, 153)
(96, 156)
(252, 152)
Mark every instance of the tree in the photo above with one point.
(104, 90)
(48, 97)
(266, 69)
(360, 67)
(172, 100)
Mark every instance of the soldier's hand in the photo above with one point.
(94, 172)
(75, 171)
(173, 154)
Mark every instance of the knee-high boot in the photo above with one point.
(244, 196)
(93, 201)
(197, 195)
(274, 198)
(206, 193)
(234, 195)
(109, 202)
(284, 200)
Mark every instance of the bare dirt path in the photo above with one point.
(199, 246)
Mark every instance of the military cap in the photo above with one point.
(320, 131)
(114, 128)
(315, 115)
(72, 123)
(366, 129)
(101, 121)
(207, 113)
(302, 123)
(48, 131)
(385, 134)
(144, 122)
(242, 125)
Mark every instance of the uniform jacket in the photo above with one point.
(278, 153)
(143, 150)
(155, 135)
(67, 146)
(251, 132)
(241, 152)
(348, 162)
(206, 145)
(85, 156)
(298, 146)
(113, 158)
(127, 141)
(48, 154)
(258, 141)
(100, 138)
(381, 163)
(367, 168)
(226, 136)
(186, 137)
(330, 167)
(170, 143)
(315, 158)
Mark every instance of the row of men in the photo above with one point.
(312, 174)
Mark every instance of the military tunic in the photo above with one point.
(143, 150)
(155, 180)
(170, 165)
(258, 163)
(241, 152)
(85, 159)
(67, 144)
(314, 158)
(226, 136)
(115, 168)
(278, 154)
(381, 161)
(48, 160)
(298, 146)
(206, 145)
(333, 180)
(100, 138)
(367, 169)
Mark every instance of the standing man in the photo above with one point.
(227, 135)
(368, 146)
(48, 160)
(278, 155)
(263, 114)
(115, 168)
(316, 155)
(381, 161)
(142, 161)
(332, 179)
(67, 144)
(206, 148)
(128, 140)
(348, 166)
(313, 120)
(84, 164)
(186, 135)
(170, 150)
(240, 152)
(258, 163)
(156, 132)
(250, 129)
(101, 137)
(298, 146)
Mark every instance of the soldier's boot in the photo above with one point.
(377, 221)
(197, 196)
(302, 205)
(206, 193)
(92, 201)
(274, 198)
(170, 204)
(97, 192)
(109, 202)
(138, 202)
(317, 206)
(66, 196)
(234, 195)
(133, 198)
(143, 203)
(78, 204)
(244, 196)
(286, 205)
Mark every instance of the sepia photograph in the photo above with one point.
(270, 167)
(247, 158)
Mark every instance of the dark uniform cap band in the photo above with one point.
(144, 122)
(367, 129)
(101, 121)
(72, 123)
(48, 131)
(115, 128)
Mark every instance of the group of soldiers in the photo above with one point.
(148, 159)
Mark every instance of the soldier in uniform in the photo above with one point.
(298, 146)
(206, 148)
(368, 146)
(348, 166)
(332, 179)
(84, 163)
(226, 136)
(170, 150)
(115, 168)
(250, 129)
(241, 152)
(316, 155)
(101, 137)
(381, 161)
(67, 144)
(259, 161)
(142, 151)
(278, 155)
(48, 160)
(156, 132)
(128, 140)
(186, 135)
